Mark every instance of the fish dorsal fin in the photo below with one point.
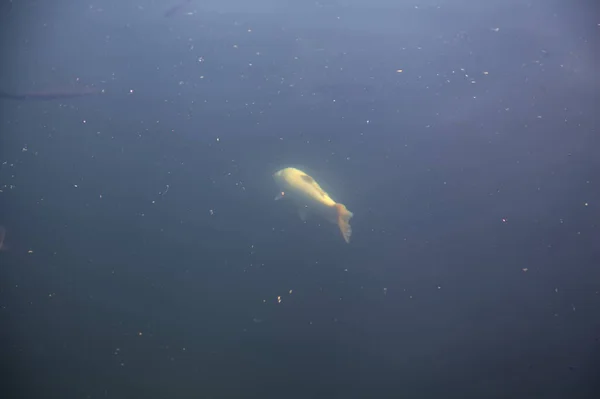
(307, 179)
(310, 180)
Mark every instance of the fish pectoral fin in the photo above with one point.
(343, 221)
(279, 196)
(303, 213)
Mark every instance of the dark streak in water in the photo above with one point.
(176, 8)
(2, 235)
(48, 95)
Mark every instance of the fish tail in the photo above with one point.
(343, 221)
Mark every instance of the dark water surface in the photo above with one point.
(144, 254)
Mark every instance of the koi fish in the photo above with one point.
(306, 193)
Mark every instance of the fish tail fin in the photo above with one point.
(343, 221)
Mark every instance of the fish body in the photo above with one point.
(310, 198)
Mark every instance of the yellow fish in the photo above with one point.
(310, 197)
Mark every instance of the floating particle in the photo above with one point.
(279, 299)
(290, 292)
(525, 269)
(399, 70)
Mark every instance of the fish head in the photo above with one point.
(282, 181)
(279, 177)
